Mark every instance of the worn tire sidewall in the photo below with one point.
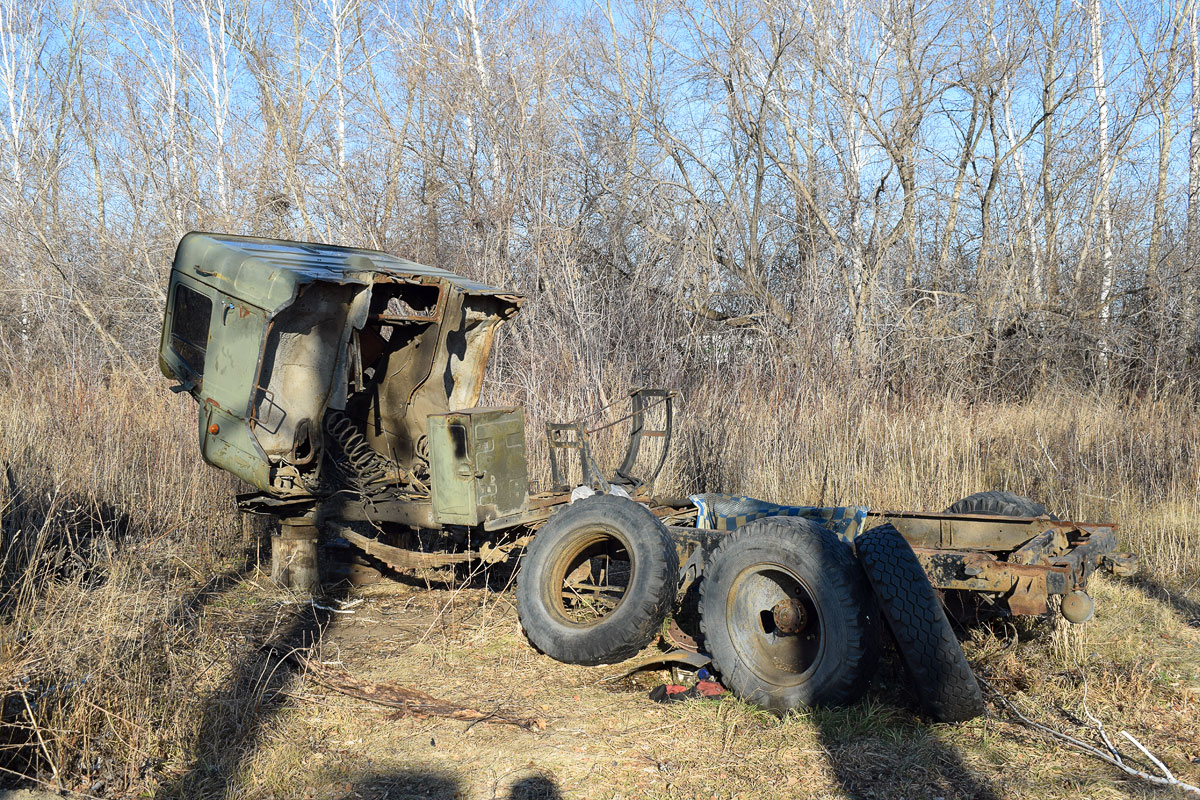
(626, 629)
(1001, 503)
(945, 684)
(845, 627)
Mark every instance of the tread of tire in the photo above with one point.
(928, 647)
(999, 503)
(851, 682)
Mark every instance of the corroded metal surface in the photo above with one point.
(980, 531)
(789, 616)
(272, 336)
(1057, 560)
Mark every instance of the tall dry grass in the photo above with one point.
(1098, 458)
(115, 531)
(112, 528)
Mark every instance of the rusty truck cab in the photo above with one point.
(322, 370)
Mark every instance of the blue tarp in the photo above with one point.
(727, 512)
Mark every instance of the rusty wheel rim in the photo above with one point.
(590, 578)
(774, 624)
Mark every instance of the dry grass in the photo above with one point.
(605, 740)
(131, 618)
(1133, 461)
(114, 534)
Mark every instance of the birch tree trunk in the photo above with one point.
(974, 131)
(1104, 178)
(1166, 135)
(18, 57)
(1192, 280)
(1049, 104)
(216, 84)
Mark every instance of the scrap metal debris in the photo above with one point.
(408, 702)
(681, 640)
(659, 660)
(675, 693)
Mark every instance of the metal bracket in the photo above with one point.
(565, 436)
(638, 431)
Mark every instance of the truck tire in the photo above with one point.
(597, 581)
(788, 617)
(1002, 504)
(931, 654)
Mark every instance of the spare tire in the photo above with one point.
(597, 581)
(788, 617)
(931, 654)
(1001, 504)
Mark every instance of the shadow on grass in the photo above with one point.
(877, 749)
(405, 785)
(1187, 608)
(188, 611)
(535, 787)
(237, 711)
(419, 784)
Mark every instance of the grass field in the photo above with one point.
(143, 652)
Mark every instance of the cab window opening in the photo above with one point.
(189, 328)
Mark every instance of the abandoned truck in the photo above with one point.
(342, 384)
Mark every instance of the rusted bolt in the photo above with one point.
(790, 616)
(214, 429)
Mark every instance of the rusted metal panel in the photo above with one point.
(1030, 595)
(1121, 564)
(285, 331)
(430, 368)
(1057, 560)
(693, 546)
(1086, 553)
(1025, 588)
(226, 442)
(961, 531)
(532, 517)
(415, 513)
(399, 558)
(477, 462)
(994, 534)
(1039, 549)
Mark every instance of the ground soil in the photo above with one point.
(603, 738)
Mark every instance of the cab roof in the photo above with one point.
(268, 273)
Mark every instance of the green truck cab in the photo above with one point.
(322, 371)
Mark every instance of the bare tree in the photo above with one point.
(1103, 198)
(895, 185)
(1192, 281)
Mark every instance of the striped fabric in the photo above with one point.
(728, 512)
